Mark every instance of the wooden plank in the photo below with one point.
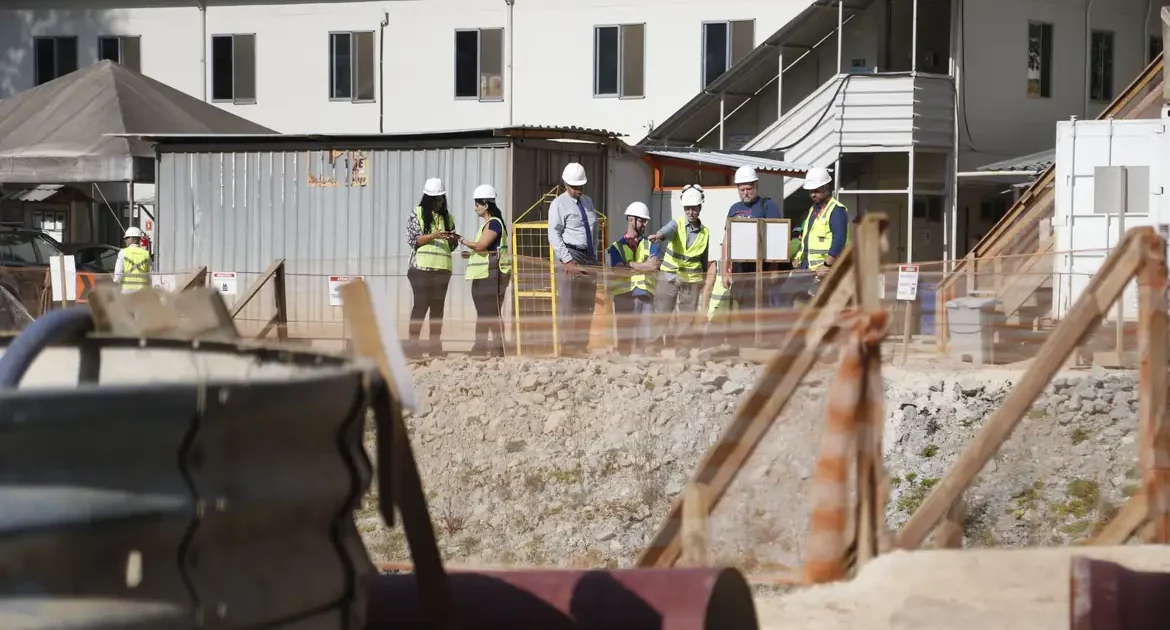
(1103, 290)
(1154, 453)
(871, 510)
(250, 294)
(1132, 515)
(695, 552)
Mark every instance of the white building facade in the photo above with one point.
(402, 65)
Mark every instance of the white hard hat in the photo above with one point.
(134, 232)
(484, 191)
(433, 187)
(815, 178)
(692, 196)
(746, 175)
(638, 209)
(574, 174)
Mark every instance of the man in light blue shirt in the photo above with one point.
(575, 240)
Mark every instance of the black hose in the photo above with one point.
(65, 324)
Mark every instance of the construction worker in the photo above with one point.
(574, 237)
(132, 268)
(750, 205)
(824, 232)
(684, 265)
(633, 290)
(489, 269)
(430, 235)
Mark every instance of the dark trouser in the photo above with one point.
(430, 295)
(676, 292)
(634, 320)
(488, 295)
(576, 297)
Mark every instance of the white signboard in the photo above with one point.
(164, 281)
(745, 240)
(224, 282)
(907, 282)
(63, 278)
(335, 283)
(777, 239)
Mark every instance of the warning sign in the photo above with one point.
(907, 282)
(335, 283)
(224, 282)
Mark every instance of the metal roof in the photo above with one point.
(732, 160)
(547, 132)
(1035, 162)
(753, 73)
(34, 193)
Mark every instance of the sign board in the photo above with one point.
(148, 226)
(63, 278)
(777, 239)
(224, 282)
(744, 235)
(907, 282)
(335, 283)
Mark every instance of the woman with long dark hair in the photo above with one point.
(430, 233)
(489, 269)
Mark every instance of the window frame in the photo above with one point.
(235, 100)
(729, 48)
(621, 61)
(121, 39)
(56, 39)
(1046, 46)
(354, 68)
(1151, 42)
(1110, 87)
(479, 91)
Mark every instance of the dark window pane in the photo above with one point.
(491, 63)
(45, 50)
(244, 68)
(221, 68)
(714, 52)
(743, 39)
(633, 56)
(108, 49)
(66, 55)
(1155, 48)
(466, 64)
(605, 79)
(132, 53)
(340, 66)
(363, 59)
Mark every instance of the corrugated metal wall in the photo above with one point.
(325, 212)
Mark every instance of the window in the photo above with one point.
(351, 66)
(479, 64)
(1039, 60)
(1155, 48)
(724, 44)
(121, 49)
(16, 247)
(619, 61)
(53, 57)
(233, 68)
(51, 223)
(1101, 66)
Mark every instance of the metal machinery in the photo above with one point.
(223, 496)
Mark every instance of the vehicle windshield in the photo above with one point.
(26, 248)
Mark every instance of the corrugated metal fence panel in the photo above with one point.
(239, 211)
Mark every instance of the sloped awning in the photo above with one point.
(733, 160)
(1031, 163)
(63, 131)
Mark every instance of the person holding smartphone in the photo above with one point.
(430, 234)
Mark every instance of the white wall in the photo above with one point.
(995, 69)
(553, 50)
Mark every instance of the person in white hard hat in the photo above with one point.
(825, 231)
(489, 269)
(132, 268)
(684, 266)
(750, 206)
(575, 239)
(430, 235)
(635, 261)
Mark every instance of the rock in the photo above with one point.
(554, 421)
(732, 387)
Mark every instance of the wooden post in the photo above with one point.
(950, 532)
(1154, 453)
(907, 320)
(695, 551)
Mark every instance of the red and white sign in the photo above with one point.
(907, 282)
(335, 283)
(224, 282)
(148, 226)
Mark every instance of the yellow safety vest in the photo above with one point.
(643, 281)
(479, 264)
(686, 262)
(135, 268)
(437, 253)
(720, 296)
(819, 236)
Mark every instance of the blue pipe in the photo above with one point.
(65, 324)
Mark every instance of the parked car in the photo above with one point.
(24, 255)
(95, 258)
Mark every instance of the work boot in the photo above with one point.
(435, 341)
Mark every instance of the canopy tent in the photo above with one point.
(59, 132)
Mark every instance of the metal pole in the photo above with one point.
(840, 39)
(910, 206)
(914, 39)
(511, 75)
(1121, 209)
(956, 73)
(722, 135)
(780, 88)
